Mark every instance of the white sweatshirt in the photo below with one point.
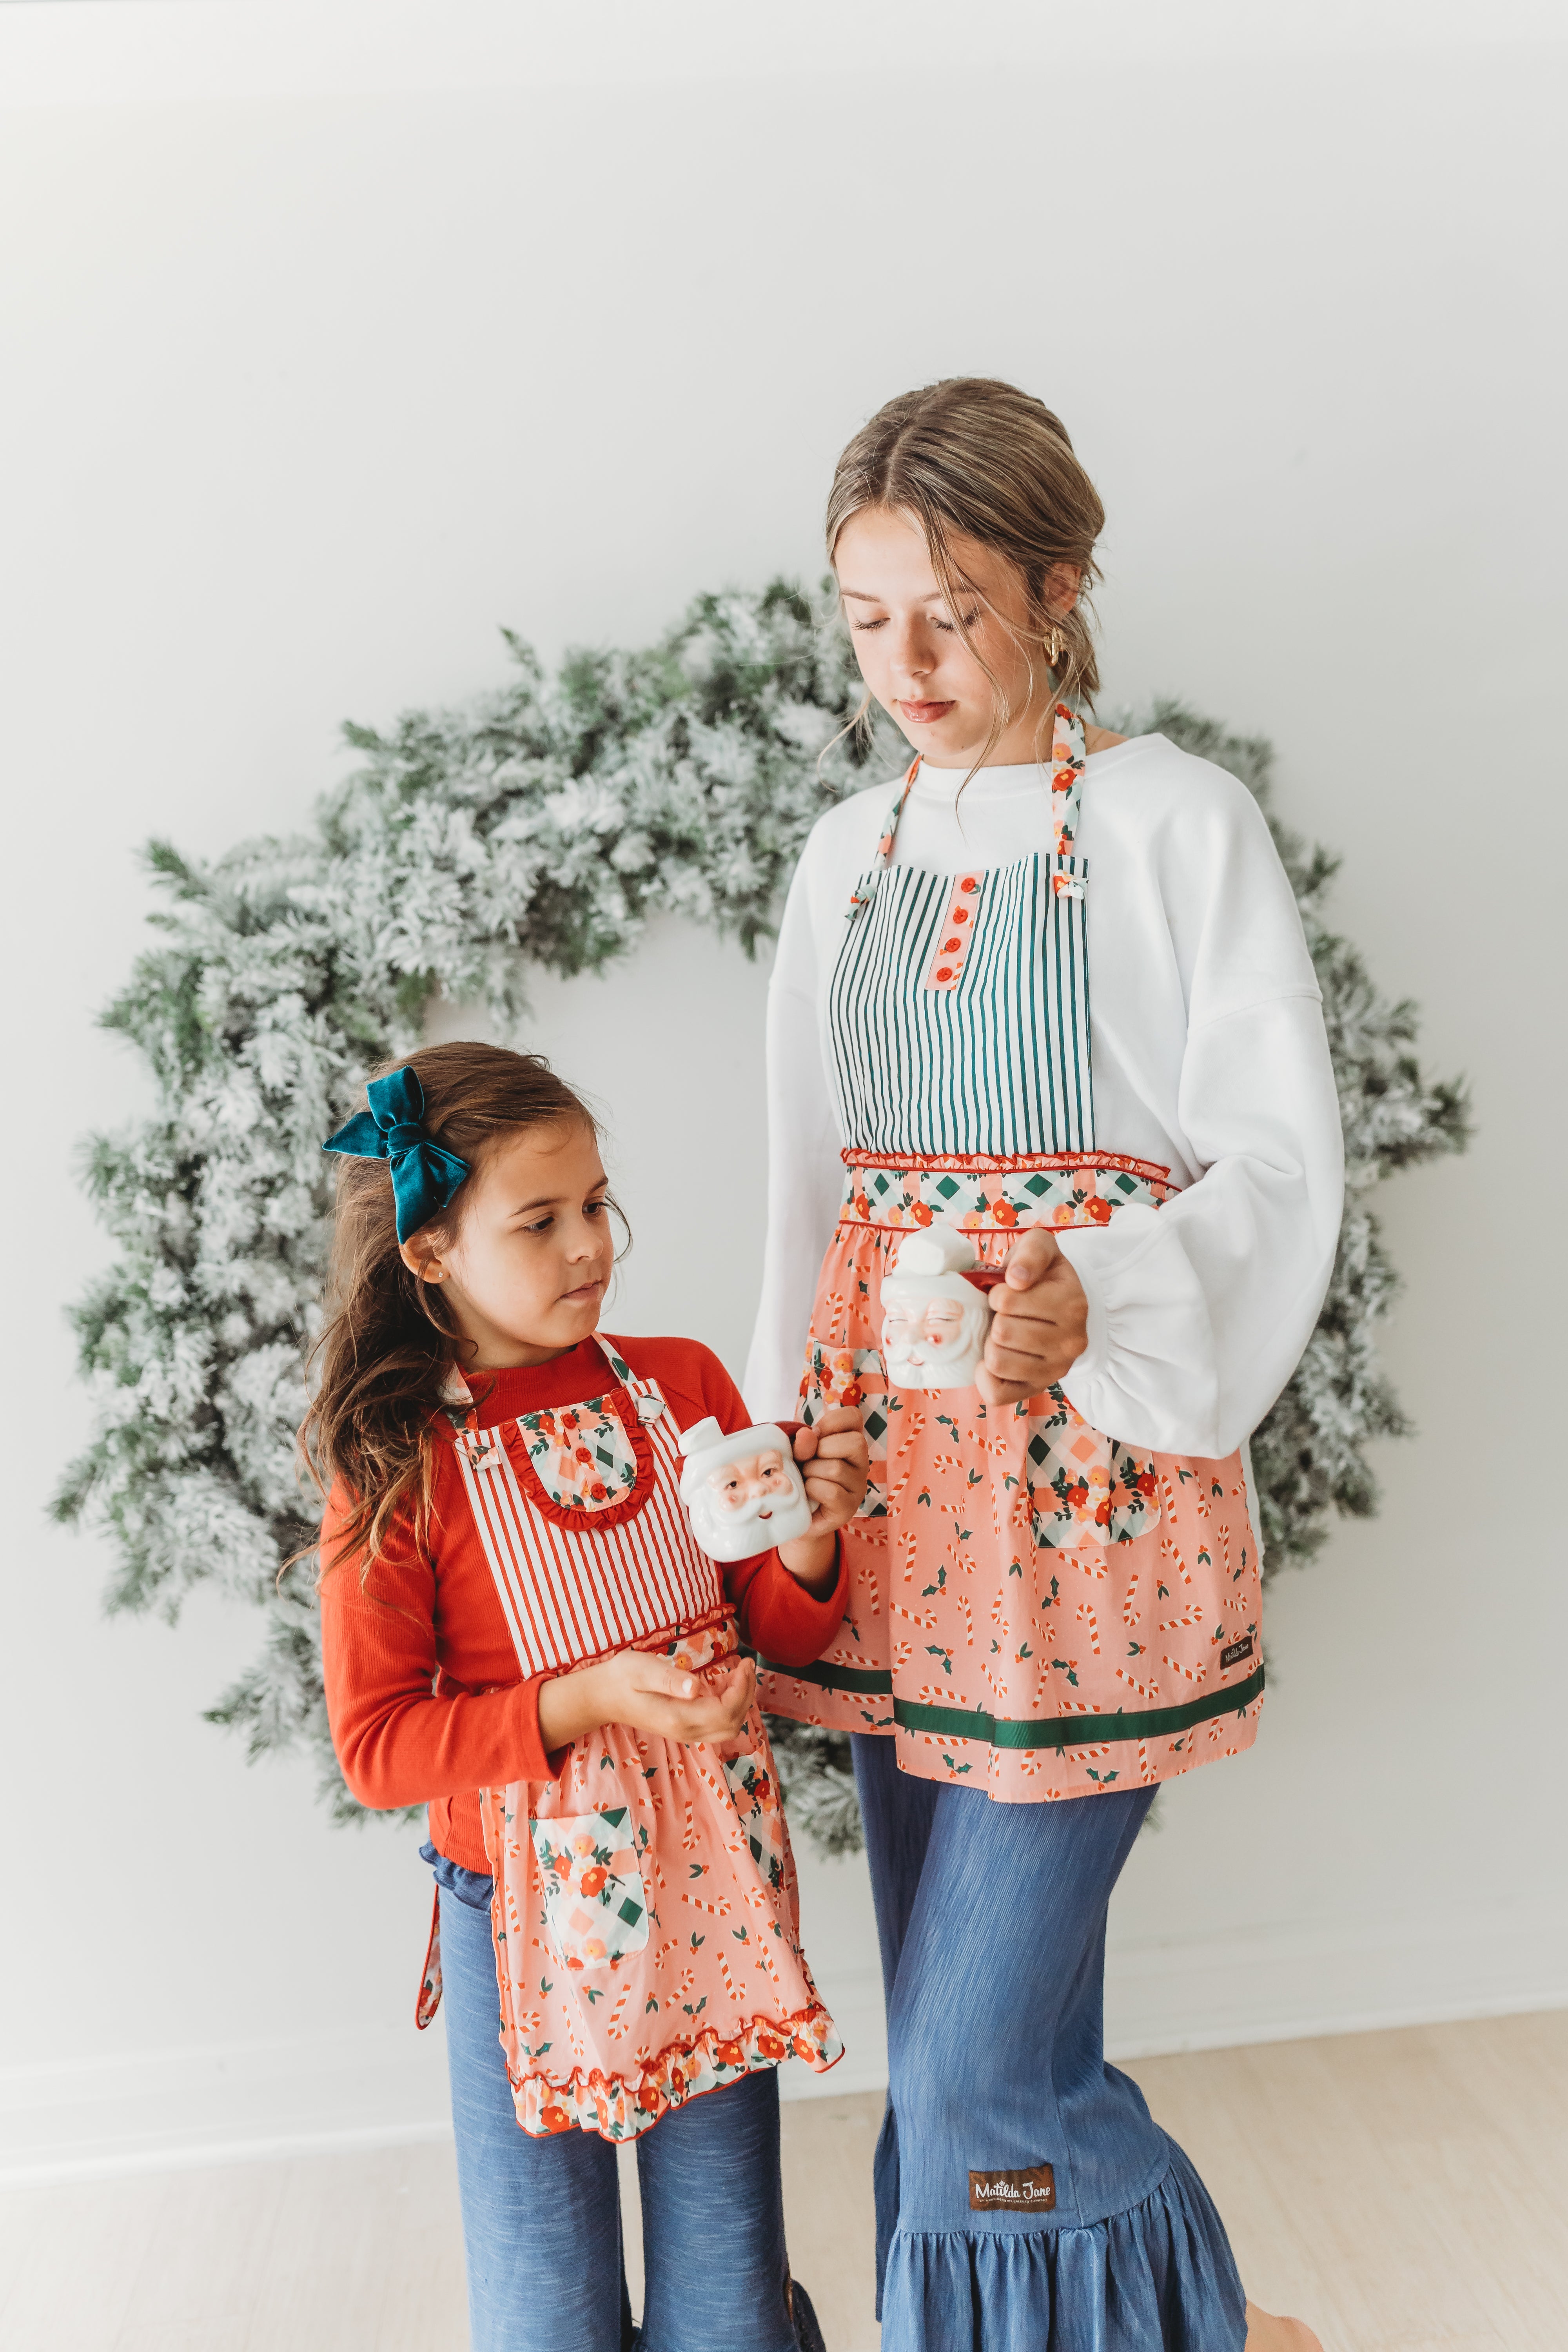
(1209, 1058)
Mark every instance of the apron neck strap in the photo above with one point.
(1067, 757)
(457, 1396)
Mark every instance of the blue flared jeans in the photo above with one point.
(1026, 2201)
(541, 2218)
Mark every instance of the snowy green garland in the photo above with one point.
(543, 826)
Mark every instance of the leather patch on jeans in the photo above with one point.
(1234, 1653)
(1032, 2191)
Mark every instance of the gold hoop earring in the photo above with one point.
(1054, 650)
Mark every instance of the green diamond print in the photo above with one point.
(947, 1187)
(875, 1424)
(630, 1912)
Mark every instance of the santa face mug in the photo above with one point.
(744, 1493)
(935, 1322)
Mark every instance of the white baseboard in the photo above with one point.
(1288, 1981)
(382, 2087)
(226, 2104)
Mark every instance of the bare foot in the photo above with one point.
(1266, 2334)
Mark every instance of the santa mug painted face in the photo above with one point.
(934, 1323)
(744, 1493)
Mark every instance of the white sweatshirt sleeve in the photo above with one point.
(1199, 1311)
(804, 1169)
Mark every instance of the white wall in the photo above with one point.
(307, 390)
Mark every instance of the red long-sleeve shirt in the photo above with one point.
(425, 1699)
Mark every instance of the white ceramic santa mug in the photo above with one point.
(744, 1492)
(934, 1323)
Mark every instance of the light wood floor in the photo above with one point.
(1406, 2192)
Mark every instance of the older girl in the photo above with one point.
(519, 1631)
(1050, 987)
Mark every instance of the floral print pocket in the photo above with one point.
(1085, 1488)
(853, 1376)
(754, 1789)
(596, 1907)
(582, 1457)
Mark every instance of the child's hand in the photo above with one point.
(836, 1462)
(648, 1694)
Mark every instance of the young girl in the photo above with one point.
(518, 1629)
(1054, 1594)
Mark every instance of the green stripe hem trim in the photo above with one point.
(1029, 1731)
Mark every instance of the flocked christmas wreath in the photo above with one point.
(541, 825)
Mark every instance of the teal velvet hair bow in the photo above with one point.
(423, 1177)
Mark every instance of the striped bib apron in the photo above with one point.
(1035, 1607)
(645, 1909)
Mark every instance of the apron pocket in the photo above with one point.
(596, 1907)
(1085, 1488)
(754, 1793)
(853, 1376)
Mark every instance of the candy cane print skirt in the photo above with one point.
(647, 1923)
(1035, 1607)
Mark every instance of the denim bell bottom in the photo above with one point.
(541, 2218)
(991, 1918)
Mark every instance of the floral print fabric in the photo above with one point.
(1035, 1607)
(580, 1455)
(647, 1923)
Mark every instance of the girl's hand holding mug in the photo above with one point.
(836, 1463)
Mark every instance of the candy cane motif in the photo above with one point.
(1085, 1616)
(1191, 1615)
(1187, 1672)
(720, 1910)
(1129, 1614)
(620, 2010)
(924, 1618)
(1144, 1690)
(731, 1987)
(1168, 1552)
(902, 1653)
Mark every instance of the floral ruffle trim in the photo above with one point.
(618, 2108)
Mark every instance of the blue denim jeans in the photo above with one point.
(991, 1923)
(541, 2218)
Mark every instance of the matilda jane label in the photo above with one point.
(1034, 2189)
(1234, 1653)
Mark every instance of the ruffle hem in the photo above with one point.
(1160, 2277)
(623, 2107)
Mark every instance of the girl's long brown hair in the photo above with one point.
(391, 1339)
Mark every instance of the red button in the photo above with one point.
(961, 914)
(969, 883)
(945, 973)
(949, 946)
